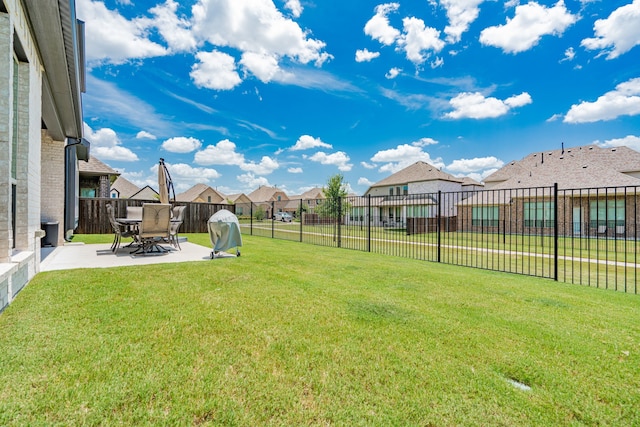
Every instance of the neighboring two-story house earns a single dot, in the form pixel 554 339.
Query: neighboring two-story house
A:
pixel 271 199
pixel 409 193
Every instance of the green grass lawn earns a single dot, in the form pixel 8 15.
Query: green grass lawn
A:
pixel 292 334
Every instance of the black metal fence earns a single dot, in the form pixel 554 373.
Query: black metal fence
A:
pixel 584 236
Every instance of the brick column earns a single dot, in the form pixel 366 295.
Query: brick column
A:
pixel 23 237
pixel 6 65
pixel 105 186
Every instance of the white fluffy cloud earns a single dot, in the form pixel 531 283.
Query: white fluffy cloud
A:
pixel 366 182
pixel 174 29
pixel 295 7
pixel 393 73
pixel 222 153
pixel 266 166
pixel 181 144
pixel 306 142
pixel 367 165
pixel 530 23
pixel 294 170
pixel 477 106
pixel 461 14
pixel 403 155
pixel 216 70
pixel 258 32
pixel 255 26
pixel 181 172
pixel 569 55
pixel 262 65
pixel 630 141
pixel 339 159
pixel 143 134
pixel 618 33
pixel 364 55
pixel 623 101
pixel 378 27
pixel 475 165
pixel 418 41
pixel 423 142
pixel 251 182
pixel 112 38
pixel 106 145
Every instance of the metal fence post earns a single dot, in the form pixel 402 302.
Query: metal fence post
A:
pixel 555 231
pixel 251 219
pixel 369 223
pixel 301 215
pixel 273 223
pixel 438 219
pixel 339 221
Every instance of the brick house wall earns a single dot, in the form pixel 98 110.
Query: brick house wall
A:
pixel 52 176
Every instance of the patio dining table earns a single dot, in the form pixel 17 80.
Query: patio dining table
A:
pixel 133 224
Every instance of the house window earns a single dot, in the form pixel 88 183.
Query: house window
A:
pixel 538 214
pixel 485 216
pixel 357 213
pixel 607 213
pixel 391 191
pixel 417 211
pixel 279 198
pixel 208 199
pixel 87 192
pixel 238 210
pixel 398 191
pixel 405 190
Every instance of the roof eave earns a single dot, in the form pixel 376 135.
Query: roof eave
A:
pixel 60 39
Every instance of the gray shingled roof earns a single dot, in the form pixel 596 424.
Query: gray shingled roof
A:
pixel 235 197
pixel 95 167
pixel 146 193
pixel 470 181
pixel 417 172
pixel 577 167
pixel 124 187
pixel 265 194
pixel 194 192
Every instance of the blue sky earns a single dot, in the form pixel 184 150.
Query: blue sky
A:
pixel 242 93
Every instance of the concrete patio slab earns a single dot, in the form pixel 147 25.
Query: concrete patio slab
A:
pixel 79 255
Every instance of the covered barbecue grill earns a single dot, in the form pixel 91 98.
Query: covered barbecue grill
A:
pixel 224 231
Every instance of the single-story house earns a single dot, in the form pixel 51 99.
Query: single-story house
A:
pixel 598 194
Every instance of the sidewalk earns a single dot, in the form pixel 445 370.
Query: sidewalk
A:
pixel 79 255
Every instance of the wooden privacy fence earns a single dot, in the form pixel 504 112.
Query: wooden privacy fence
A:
pixel 93 217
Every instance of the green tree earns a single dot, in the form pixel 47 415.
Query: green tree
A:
pixel 334 205
pixel 259 213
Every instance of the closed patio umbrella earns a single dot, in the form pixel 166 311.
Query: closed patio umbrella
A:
pixel 165 185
